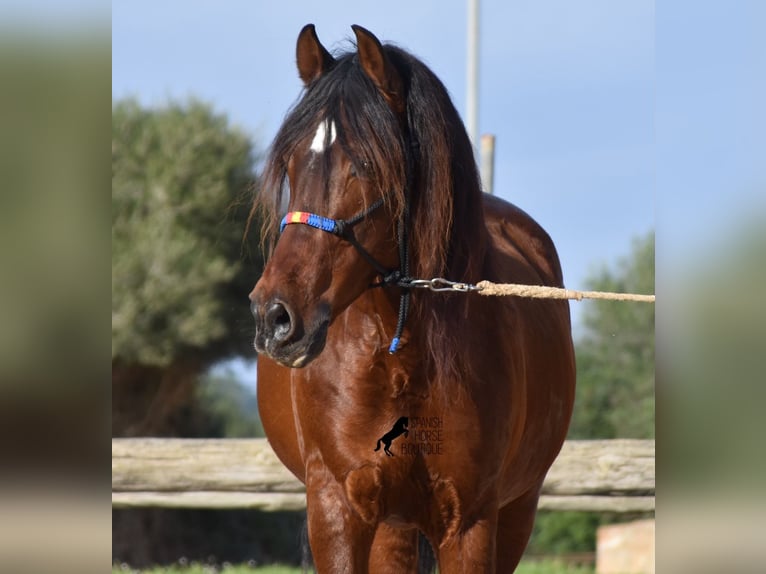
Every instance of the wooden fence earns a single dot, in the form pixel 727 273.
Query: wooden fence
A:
pixel 594 475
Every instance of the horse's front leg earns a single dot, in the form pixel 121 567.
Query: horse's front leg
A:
pixel 340 530
pixel 394 551
pixel 471 548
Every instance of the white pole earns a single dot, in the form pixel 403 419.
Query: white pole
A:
pixel 472 75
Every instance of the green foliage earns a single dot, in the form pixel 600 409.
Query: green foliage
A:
pixel 615 384
pixel 207 569
pixel 232 408
pixel 551 567
pixel 715 342
pixel 181 181
pixel 526 567
pixel 615 356
pixel 563 533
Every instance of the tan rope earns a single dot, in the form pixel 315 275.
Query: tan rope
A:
pixel 541 292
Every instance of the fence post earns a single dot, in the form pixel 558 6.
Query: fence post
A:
pixel 488 163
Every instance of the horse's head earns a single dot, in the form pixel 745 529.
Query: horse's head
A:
pixel 341 154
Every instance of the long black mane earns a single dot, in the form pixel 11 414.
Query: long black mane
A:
pixel 424 160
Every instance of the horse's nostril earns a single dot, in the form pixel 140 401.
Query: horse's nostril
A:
pixel 279 320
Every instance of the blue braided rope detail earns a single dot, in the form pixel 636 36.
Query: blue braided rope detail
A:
pixel 323 223
pixel 312 220
pixel 394 347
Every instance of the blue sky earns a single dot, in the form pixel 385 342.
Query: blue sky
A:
pixel 567 88
pixel 711 127
pixel 602 109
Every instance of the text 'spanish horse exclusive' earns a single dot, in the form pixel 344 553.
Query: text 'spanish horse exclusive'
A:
pixel 371 183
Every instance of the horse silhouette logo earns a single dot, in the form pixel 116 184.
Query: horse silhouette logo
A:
pixel 399 428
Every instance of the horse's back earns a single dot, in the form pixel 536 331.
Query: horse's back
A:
pixel 523 251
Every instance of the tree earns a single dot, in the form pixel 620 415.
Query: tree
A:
pixel 714 362
pixel 615 384
pixel 231 409
pixel 615 355
pixel 182 181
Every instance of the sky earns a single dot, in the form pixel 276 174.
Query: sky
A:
pixel 567 91
pixel 602 110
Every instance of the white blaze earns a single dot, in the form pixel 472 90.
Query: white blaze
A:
pixel 317 144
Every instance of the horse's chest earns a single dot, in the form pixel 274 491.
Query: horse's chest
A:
pixel 391 445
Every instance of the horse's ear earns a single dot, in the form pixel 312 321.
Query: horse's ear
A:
pixel 379 68
pixel 313 59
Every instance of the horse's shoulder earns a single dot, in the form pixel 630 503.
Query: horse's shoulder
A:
pixel 517 237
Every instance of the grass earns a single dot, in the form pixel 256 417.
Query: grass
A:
pixel 551 566
pixel 526 567
pixel 210 569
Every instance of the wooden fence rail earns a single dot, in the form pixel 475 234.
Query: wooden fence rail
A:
pixel 597 475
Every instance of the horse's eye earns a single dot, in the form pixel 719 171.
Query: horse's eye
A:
pixel 363 169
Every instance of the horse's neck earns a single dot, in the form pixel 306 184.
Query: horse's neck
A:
pixel 365 331
pixel 371 319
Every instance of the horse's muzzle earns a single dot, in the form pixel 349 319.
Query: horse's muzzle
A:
pixel 282 334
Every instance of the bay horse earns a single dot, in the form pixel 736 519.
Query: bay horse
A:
pixel 370 184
